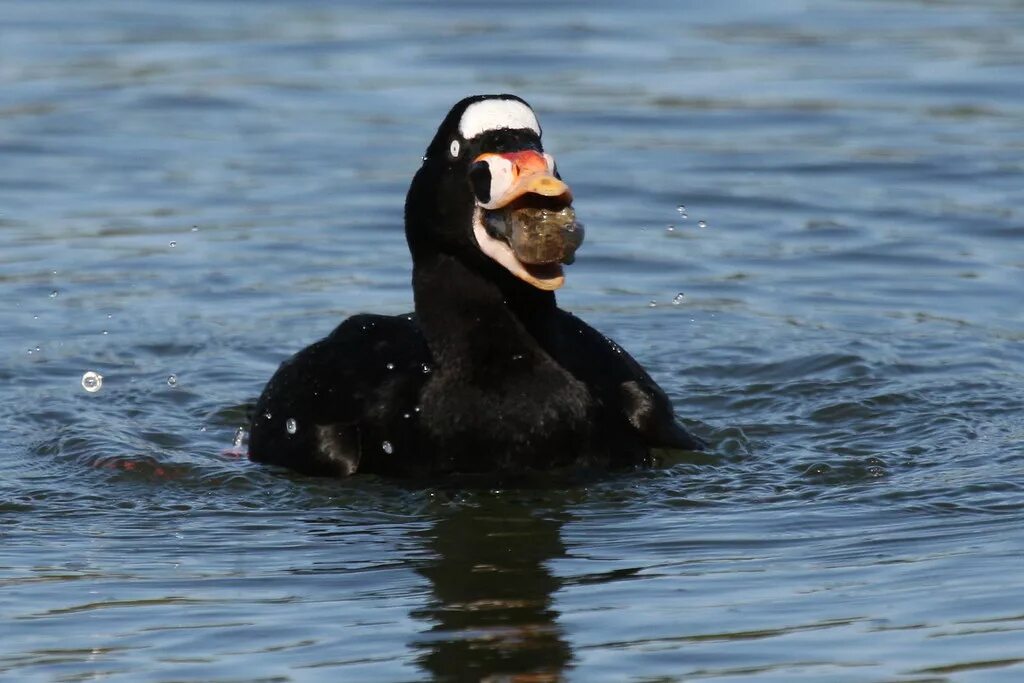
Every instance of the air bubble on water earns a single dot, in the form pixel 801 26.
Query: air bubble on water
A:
pixel 677 299
pixel 652 304
pixel 406 416
pixel 92 381
pixel 291 426
pixel 267 415
pixel 35 317
pixel 426 368
pixel 173 244
pixel 670 228
pixel 702 224
pixel 172 380
pixel 681 209
pixel 195 228
pixel 105 332
pixel 387 447
pixel 390 366
pixel 54 294
pixel 239 437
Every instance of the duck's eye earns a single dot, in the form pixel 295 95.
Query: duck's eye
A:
pixel 454 148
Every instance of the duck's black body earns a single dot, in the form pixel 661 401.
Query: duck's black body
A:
pixel 488 376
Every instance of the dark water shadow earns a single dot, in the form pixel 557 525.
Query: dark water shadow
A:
pixel 492 593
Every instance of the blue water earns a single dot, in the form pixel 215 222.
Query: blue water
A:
pixel 199 189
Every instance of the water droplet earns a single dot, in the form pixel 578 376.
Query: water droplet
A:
pixel 416 409
pixel 267 415
pixel 670 228
pixel 172 380
pixel 406 416
pixel 652 304
pixel 239 437
pixel 54 294
pixel 517 356
pixel 426 369
pixel 677 299
pixel 38 349
pixel 291 426
pixel 195 228
pixel 681 209
pixel 702 224
pixel 390 366
pixel 173 244
pixel 387 447
pixel 92 381
pixel 105 332
pixel 35 317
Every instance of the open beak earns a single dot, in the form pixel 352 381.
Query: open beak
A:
pixel 504 179
pixel 516 174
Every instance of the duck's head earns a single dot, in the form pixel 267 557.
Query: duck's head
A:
pixel 488 193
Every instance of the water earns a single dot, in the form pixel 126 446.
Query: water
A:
pixel 851 341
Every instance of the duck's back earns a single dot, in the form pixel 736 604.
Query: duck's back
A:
pixel 637 415
pixel 347 402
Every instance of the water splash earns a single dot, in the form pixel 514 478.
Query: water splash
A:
pixel 92 381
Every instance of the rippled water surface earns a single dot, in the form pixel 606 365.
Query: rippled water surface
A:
pixel 190 192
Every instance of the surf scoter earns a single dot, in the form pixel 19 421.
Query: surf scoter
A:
pixel 488 375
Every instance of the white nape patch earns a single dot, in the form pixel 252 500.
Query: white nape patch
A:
pixel 486 115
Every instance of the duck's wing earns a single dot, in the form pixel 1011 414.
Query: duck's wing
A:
pixel 621 384
pixel 324 403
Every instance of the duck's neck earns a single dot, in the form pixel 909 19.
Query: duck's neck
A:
pixel 477 323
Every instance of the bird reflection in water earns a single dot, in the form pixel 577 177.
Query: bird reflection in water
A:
pixel 492 595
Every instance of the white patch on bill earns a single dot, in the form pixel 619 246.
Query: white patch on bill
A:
pixel 486 115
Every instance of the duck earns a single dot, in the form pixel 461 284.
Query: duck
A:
pixel 487 376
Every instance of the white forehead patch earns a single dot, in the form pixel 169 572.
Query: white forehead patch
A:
pixel 486 115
